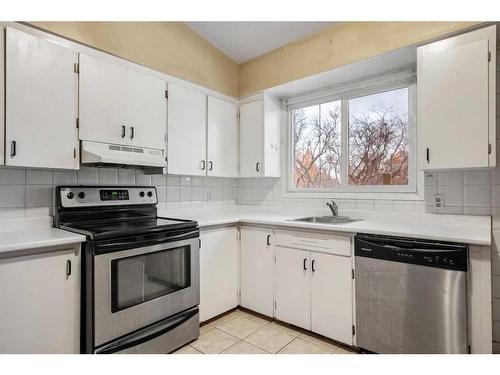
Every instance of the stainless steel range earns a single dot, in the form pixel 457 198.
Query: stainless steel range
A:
pixel 140 272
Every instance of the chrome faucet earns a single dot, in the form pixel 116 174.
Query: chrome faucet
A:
pixel 333 207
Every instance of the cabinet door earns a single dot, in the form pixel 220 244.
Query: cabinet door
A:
pixel 39 312
pixel 187 110
pixel 41 103
pixel 146 111
pixel 331 296
pixel 454 107
pixel 251 137
pixel 293 287
pixel 257 270
pixel 222 142
pixel 271 147
pixel 218 272
pixel 103 101
pixel 2 97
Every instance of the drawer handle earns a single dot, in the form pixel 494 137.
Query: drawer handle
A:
pixel 304 264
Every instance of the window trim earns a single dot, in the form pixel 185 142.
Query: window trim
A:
pixel 412 191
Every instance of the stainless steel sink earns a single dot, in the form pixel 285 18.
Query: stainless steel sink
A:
pixel 326 219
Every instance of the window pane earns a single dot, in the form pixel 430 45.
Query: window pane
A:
pixel 378 139
pixel 316 139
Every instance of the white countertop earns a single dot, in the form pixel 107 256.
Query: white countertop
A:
pixel 474 230
pixel 21 236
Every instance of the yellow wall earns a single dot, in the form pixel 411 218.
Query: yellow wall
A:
pixel 169 47
pixel 173 48
pixel 341 44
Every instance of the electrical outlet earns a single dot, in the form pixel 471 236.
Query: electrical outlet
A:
pixel 438 202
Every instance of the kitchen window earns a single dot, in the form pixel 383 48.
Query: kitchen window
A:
pixel 359 141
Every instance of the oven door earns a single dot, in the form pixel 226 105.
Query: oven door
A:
pixel 140 286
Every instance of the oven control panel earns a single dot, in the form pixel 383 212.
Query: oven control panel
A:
pixel 82 196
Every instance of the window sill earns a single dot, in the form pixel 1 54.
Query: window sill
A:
pixel 406 196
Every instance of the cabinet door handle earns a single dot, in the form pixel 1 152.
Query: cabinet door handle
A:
pixel 427 154
pixel 132 132
pixel 268 240
pixel 210 165
pixel 68 267
pixel 124 129
pixel 312 266
pixel 203 165
pixel 304 264
pixel 12 149
pixel 257 167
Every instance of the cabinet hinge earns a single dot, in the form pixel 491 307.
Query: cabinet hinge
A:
pixel 353 330
pixel 489 148
pixel 77 123
pixel 489 55
pixel 352 273
pixel 76 68
pixel 166 94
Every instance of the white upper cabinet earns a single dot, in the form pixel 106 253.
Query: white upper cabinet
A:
pixel 456 101
pixel 103 101
pixel 146 110
pixel 186 146
pixel 121 106
pixel 259 137
pixel 41 103
pixel 222 142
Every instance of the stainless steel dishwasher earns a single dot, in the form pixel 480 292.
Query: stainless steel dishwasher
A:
pixel 411 295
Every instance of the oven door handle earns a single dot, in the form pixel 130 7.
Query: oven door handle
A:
pixel 116 246
pixel 149 333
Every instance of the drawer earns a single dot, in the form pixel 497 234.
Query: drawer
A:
pixel 325 243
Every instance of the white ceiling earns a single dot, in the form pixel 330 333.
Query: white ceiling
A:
pixel 243 41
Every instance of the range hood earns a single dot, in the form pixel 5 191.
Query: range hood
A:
pixel 102 154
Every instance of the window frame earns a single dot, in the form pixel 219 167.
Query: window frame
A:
pixel 344 93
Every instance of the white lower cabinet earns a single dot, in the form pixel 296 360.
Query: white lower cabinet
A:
pixel 293 287
pixel 257 269
pixel 331 296
pixel 39 303
pixel 218 271
pixel 314 289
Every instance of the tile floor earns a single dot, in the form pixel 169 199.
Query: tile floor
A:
pixel 240 332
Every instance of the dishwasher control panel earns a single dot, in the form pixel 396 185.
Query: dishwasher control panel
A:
pixel 429 253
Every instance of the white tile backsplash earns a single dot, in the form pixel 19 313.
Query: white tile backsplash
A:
pixel 65 178
pixel 12 176
pixel 88 176
pixel 451 178
pixel 39 177
pixel 31 192
pixel 107 176
pixel 12 196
